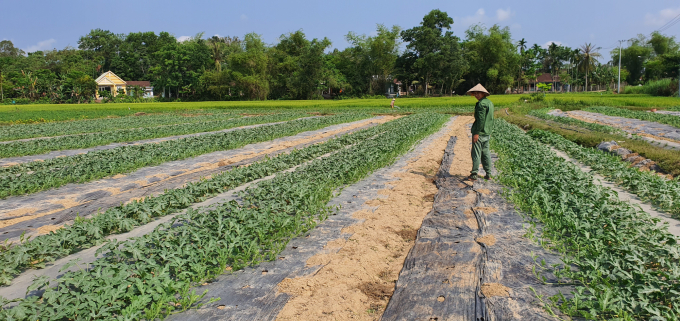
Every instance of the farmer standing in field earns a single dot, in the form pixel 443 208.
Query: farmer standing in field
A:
pixel 481 131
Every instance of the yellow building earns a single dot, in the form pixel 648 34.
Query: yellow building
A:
pixel 108 81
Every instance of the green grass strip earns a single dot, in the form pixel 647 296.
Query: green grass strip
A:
pixel 22 131
pixel 37 176
pixel 147 277
pixel 623 265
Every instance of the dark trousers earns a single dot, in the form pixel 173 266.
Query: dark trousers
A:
pixel 481 153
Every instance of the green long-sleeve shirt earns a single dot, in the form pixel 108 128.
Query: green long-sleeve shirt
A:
pixel 483 118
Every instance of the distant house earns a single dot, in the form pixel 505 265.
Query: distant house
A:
pixel 546 78
pixel 110 82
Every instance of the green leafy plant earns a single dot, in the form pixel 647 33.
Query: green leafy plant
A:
pixel 36 176
pixel 660 191
pixel 78 141
pixel 622 264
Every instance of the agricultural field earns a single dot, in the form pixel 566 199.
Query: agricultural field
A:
pixel 338 210
pixel 20 114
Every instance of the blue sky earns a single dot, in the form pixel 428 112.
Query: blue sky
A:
pixel 39 25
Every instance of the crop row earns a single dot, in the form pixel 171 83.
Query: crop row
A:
pixel 39 146
pixel 21 131
pixel 40 175
pixel 85 233
pixel 641 115
pixel 151 276
pixel 648 186
pixel 623 265
pixel 543 114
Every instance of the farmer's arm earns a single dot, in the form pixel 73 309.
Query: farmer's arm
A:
pixel 480 120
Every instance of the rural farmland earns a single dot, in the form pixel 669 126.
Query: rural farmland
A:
pixel 249 211
pixel 335 161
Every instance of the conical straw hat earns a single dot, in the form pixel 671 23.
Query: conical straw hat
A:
pixel 479 88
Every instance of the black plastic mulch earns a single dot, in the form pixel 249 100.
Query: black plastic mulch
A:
pixel 472 243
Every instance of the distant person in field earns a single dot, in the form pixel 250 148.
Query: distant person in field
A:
pixel 481 132
pixel 392 103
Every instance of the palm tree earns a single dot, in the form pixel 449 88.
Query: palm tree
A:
pixel 522 44
pixel 553 61
pixel 589 56
pixel 216 44
pixel 574 58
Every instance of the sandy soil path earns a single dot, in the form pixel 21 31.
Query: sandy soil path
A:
pixel 357 281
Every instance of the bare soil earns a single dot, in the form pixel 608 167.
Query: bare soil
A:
pixel 495 289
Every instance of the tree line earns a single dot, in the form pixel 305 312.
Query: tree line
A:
pixel 427 59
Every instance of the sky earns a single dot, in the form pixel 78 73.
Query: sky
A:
pixel 41 25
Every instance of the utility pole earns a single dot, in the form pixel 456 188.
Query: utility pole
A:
pixel 618 89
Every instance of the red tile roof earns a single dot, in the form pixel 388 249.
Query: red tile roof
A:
pixel 545 77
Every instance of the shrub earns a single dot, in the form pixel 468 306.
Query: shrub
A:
pixel 663 87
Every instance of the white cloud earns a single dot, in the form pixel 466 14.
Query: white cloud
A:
pixel 661 18
pixel 244 17
pixel 478 17
pixel 183 38
pixel 547 44
pixel 503 15
pixel 42 45
pixel 481 17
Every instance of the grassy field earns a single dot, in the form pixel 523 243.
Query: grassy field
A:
pixel 42 113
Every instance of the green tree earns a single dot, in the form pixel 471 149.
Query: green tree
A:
pixel 588 61
pixel 492 56
pixel 298 66
pixel 104 46
pixel 373 58
pixel 663 44
pixel 5 65
pixel 7 49
pixel 436 51
pixel 180 66
pixel 135 56
pixel 249 67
